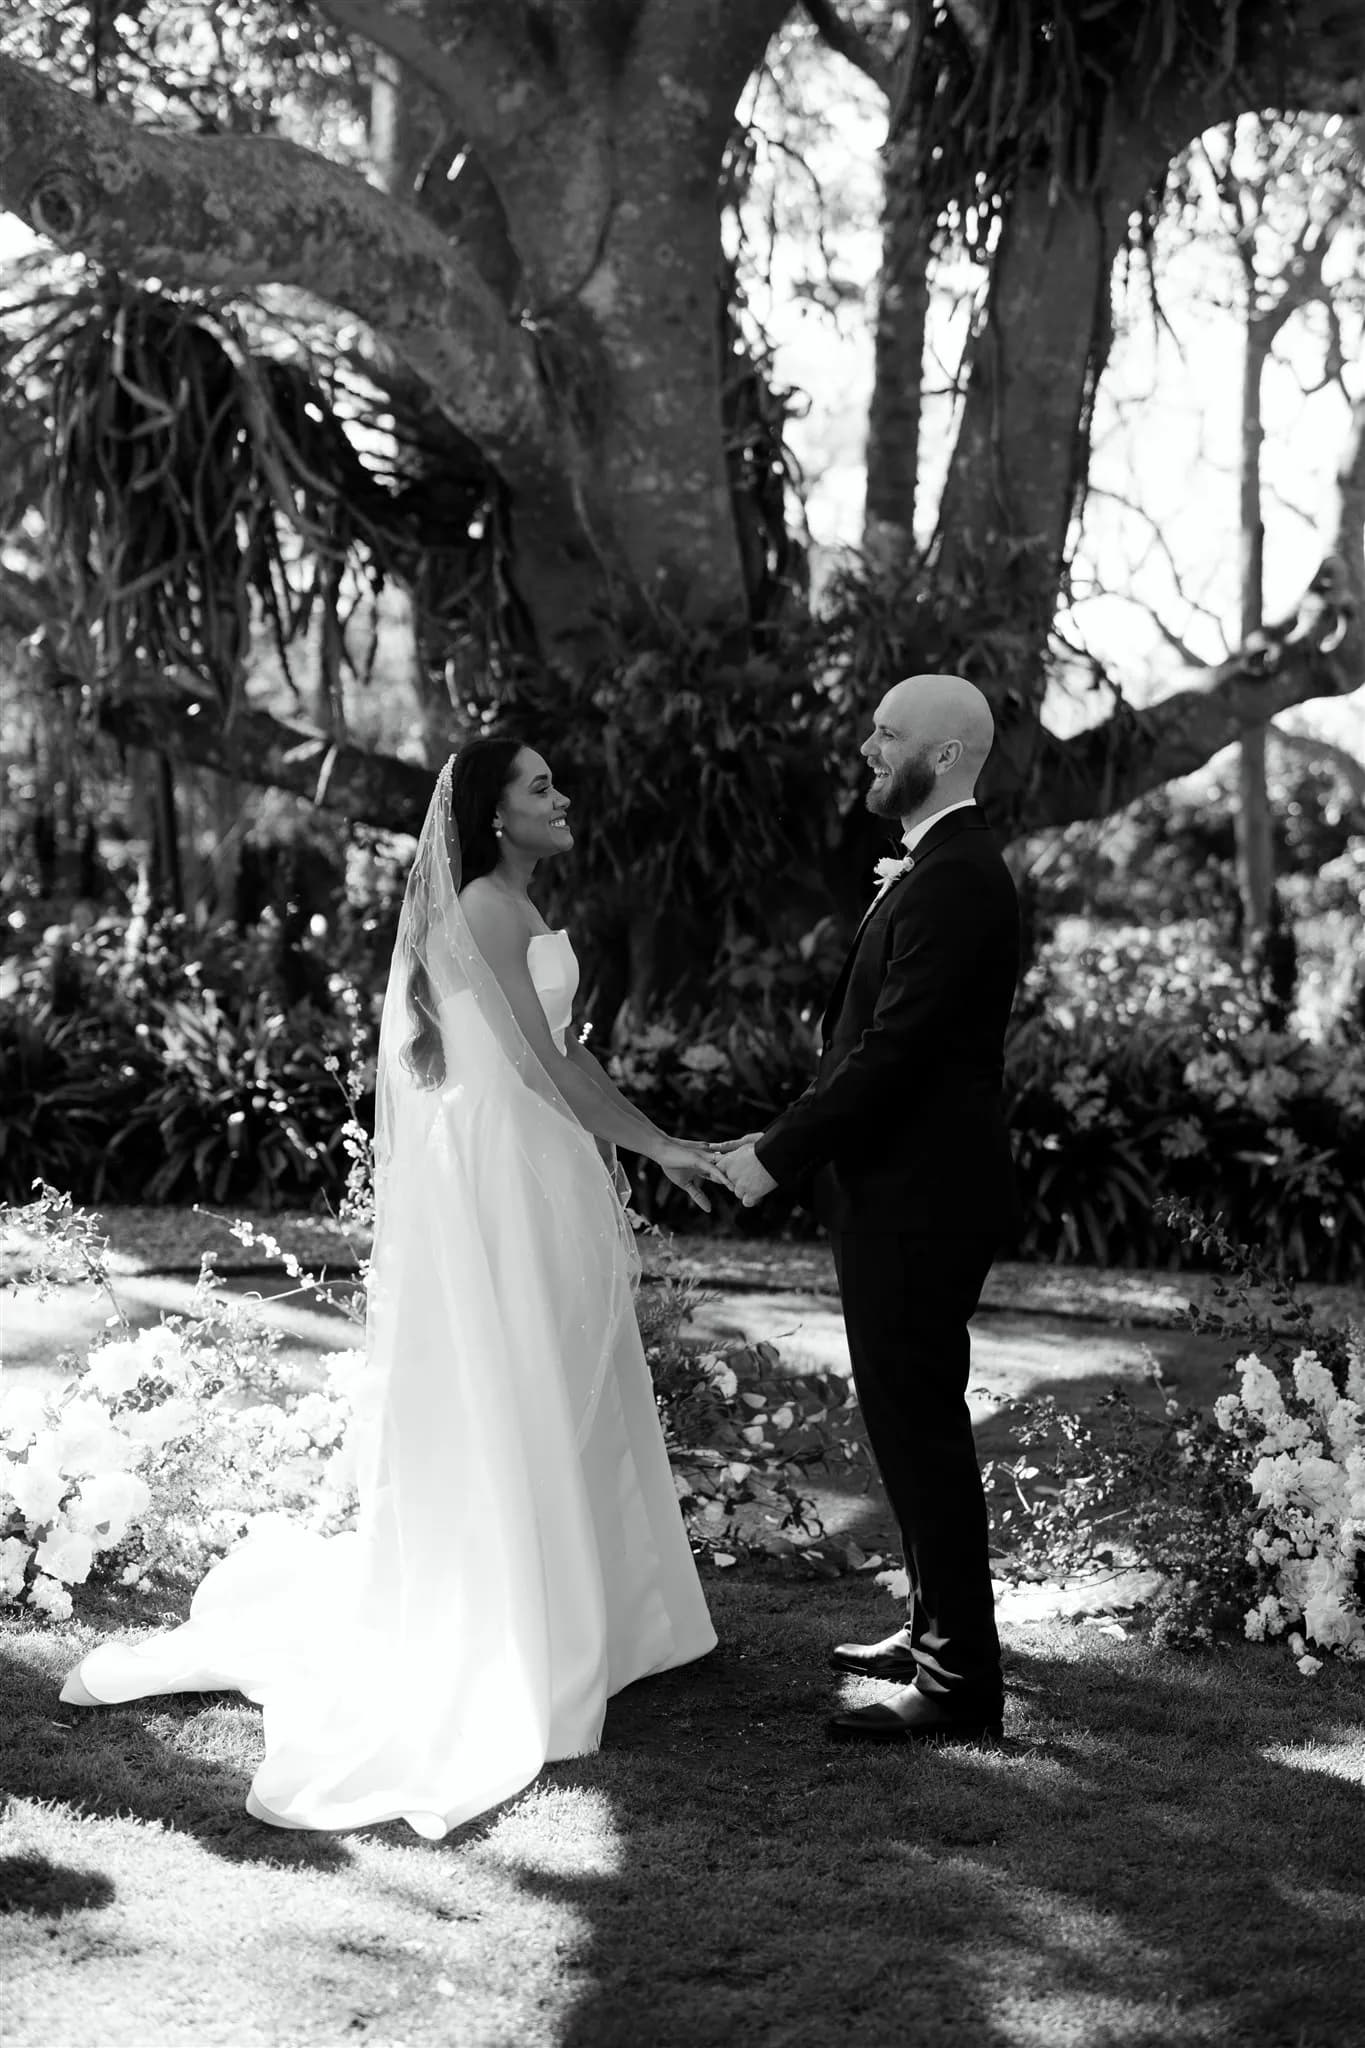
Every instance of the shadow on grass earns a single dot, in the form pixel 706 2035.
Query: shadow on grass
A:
pixel 1163 1850
pixel 112 1762
pixel 851 1499
pixel 34 1884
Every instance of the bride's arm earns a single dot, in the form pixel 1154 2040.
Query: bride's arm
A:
pixel 589 1065
pixel 500 936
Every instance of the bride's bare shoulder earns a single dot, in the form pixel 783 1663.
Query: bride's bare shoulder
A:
pixel 483 889
pixel 493 917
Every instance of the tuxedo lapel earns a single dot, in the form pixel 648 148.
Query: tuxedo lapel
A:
pixel 836 994
pixel 942 829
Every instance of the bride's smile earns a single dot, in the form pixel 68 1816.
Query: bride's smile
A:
pixel 532 816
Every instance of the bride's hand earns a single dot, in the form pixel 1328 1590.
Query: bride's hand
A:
pixel 687 1166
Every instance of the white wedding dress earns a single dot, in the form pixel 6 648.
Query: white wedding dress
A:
pixel 520 1554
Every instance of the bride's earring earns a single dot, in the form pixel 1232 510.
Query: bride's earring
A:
pixel 497 831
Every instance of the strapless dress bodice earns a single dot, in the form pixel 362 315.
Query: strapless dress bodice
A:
pixel 554 970
pixel 474 1055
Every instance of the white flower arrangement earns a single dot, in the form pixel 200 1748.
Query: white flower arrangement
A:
pixel 151 1461
pixel 1308 1480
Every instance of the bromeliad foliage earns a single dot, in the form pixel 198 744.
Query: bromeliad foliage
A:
pixel 197 485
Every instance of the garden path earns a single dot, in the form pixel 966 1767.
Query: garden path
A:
pixel 1031 1338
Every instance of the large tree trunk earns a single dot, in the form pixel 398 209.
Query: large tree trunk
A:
pixel 560 308
pixel 1019 461
pixel 602 159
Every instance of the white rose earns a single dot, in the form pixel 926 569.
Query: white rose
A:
pixel 25 1417
pixel 1344 1428
pixel 1355 1375
pixel 14 1557
pixel 36 1486
pixel 67 1555
pixel 1329 1615
pixel 318 1417
pixel 105 1506
pixel 1314 1383
pixel 154 1427
pixel 1226 1410
pixel 1260 1389
pixel 85 1440
pixel 51 1599
pixel 1319 1481
pixel 163 1352
pixel 115 1369
pixel 343 1369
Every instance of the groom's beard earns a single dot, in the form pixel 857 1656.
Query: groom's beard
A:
pixel 905 791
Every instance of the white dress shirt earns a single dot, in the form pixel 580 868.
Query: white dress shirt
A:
pixel 913 837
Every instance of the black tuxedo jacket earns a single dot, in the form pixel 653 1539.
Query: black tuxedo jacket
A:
pixel 904 1126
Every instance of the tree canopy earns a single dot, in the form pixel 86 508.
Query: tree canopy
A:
pixel 498 222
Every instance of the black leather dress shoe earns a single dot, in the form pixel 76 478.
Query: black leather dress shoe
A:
pixel 890 1658
pixel 915 1716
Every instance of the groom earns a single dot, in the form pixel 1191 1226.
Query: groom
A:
pixel 904 1129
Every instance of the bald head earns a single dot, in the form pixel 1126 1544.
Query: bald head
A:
pixel 929 744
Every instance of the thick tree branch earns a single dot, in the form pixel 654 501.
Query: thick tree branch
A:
pixel 1319 651
pixel 848 41
pixel 475 65
pixel 230 212
pixel 533 129
pixel 365 788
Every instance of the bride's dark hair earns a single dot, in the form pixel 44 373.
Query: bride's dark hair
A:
pixel 481 772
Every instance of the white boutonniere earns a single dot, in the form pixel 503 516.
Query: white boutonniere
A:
pixel 889 870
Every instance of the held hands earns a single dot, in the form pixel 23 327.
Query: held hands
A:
pixel 733 1165
pixel 743 1171
pixel 688 1166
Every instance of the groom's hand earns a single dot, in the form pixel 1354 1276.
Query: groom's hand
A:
pixel 746 1172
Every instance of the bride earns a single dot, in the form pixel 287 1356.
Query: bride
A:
pixel 519 1553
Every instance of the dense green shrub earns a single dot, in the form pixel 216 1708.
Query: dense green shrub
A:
pixel 1134 1071
pixel 171 1065
pixel 156 1062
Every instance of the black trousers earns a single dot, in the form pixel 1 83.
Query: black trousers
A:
pixel 907 1301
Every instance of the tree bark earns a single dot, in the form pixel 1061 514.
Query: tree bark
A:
pixel 1019 461
pixel 604 144
pixel 1253 824
pixel 894 415
pixel 231 212
pixel 587 369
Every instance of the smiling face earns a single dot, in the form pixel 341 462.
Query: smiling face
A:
pixel 532 813
pixel 902 763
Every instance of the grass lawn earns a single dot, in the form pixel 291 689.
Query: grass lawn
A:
pixel 1165 1850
